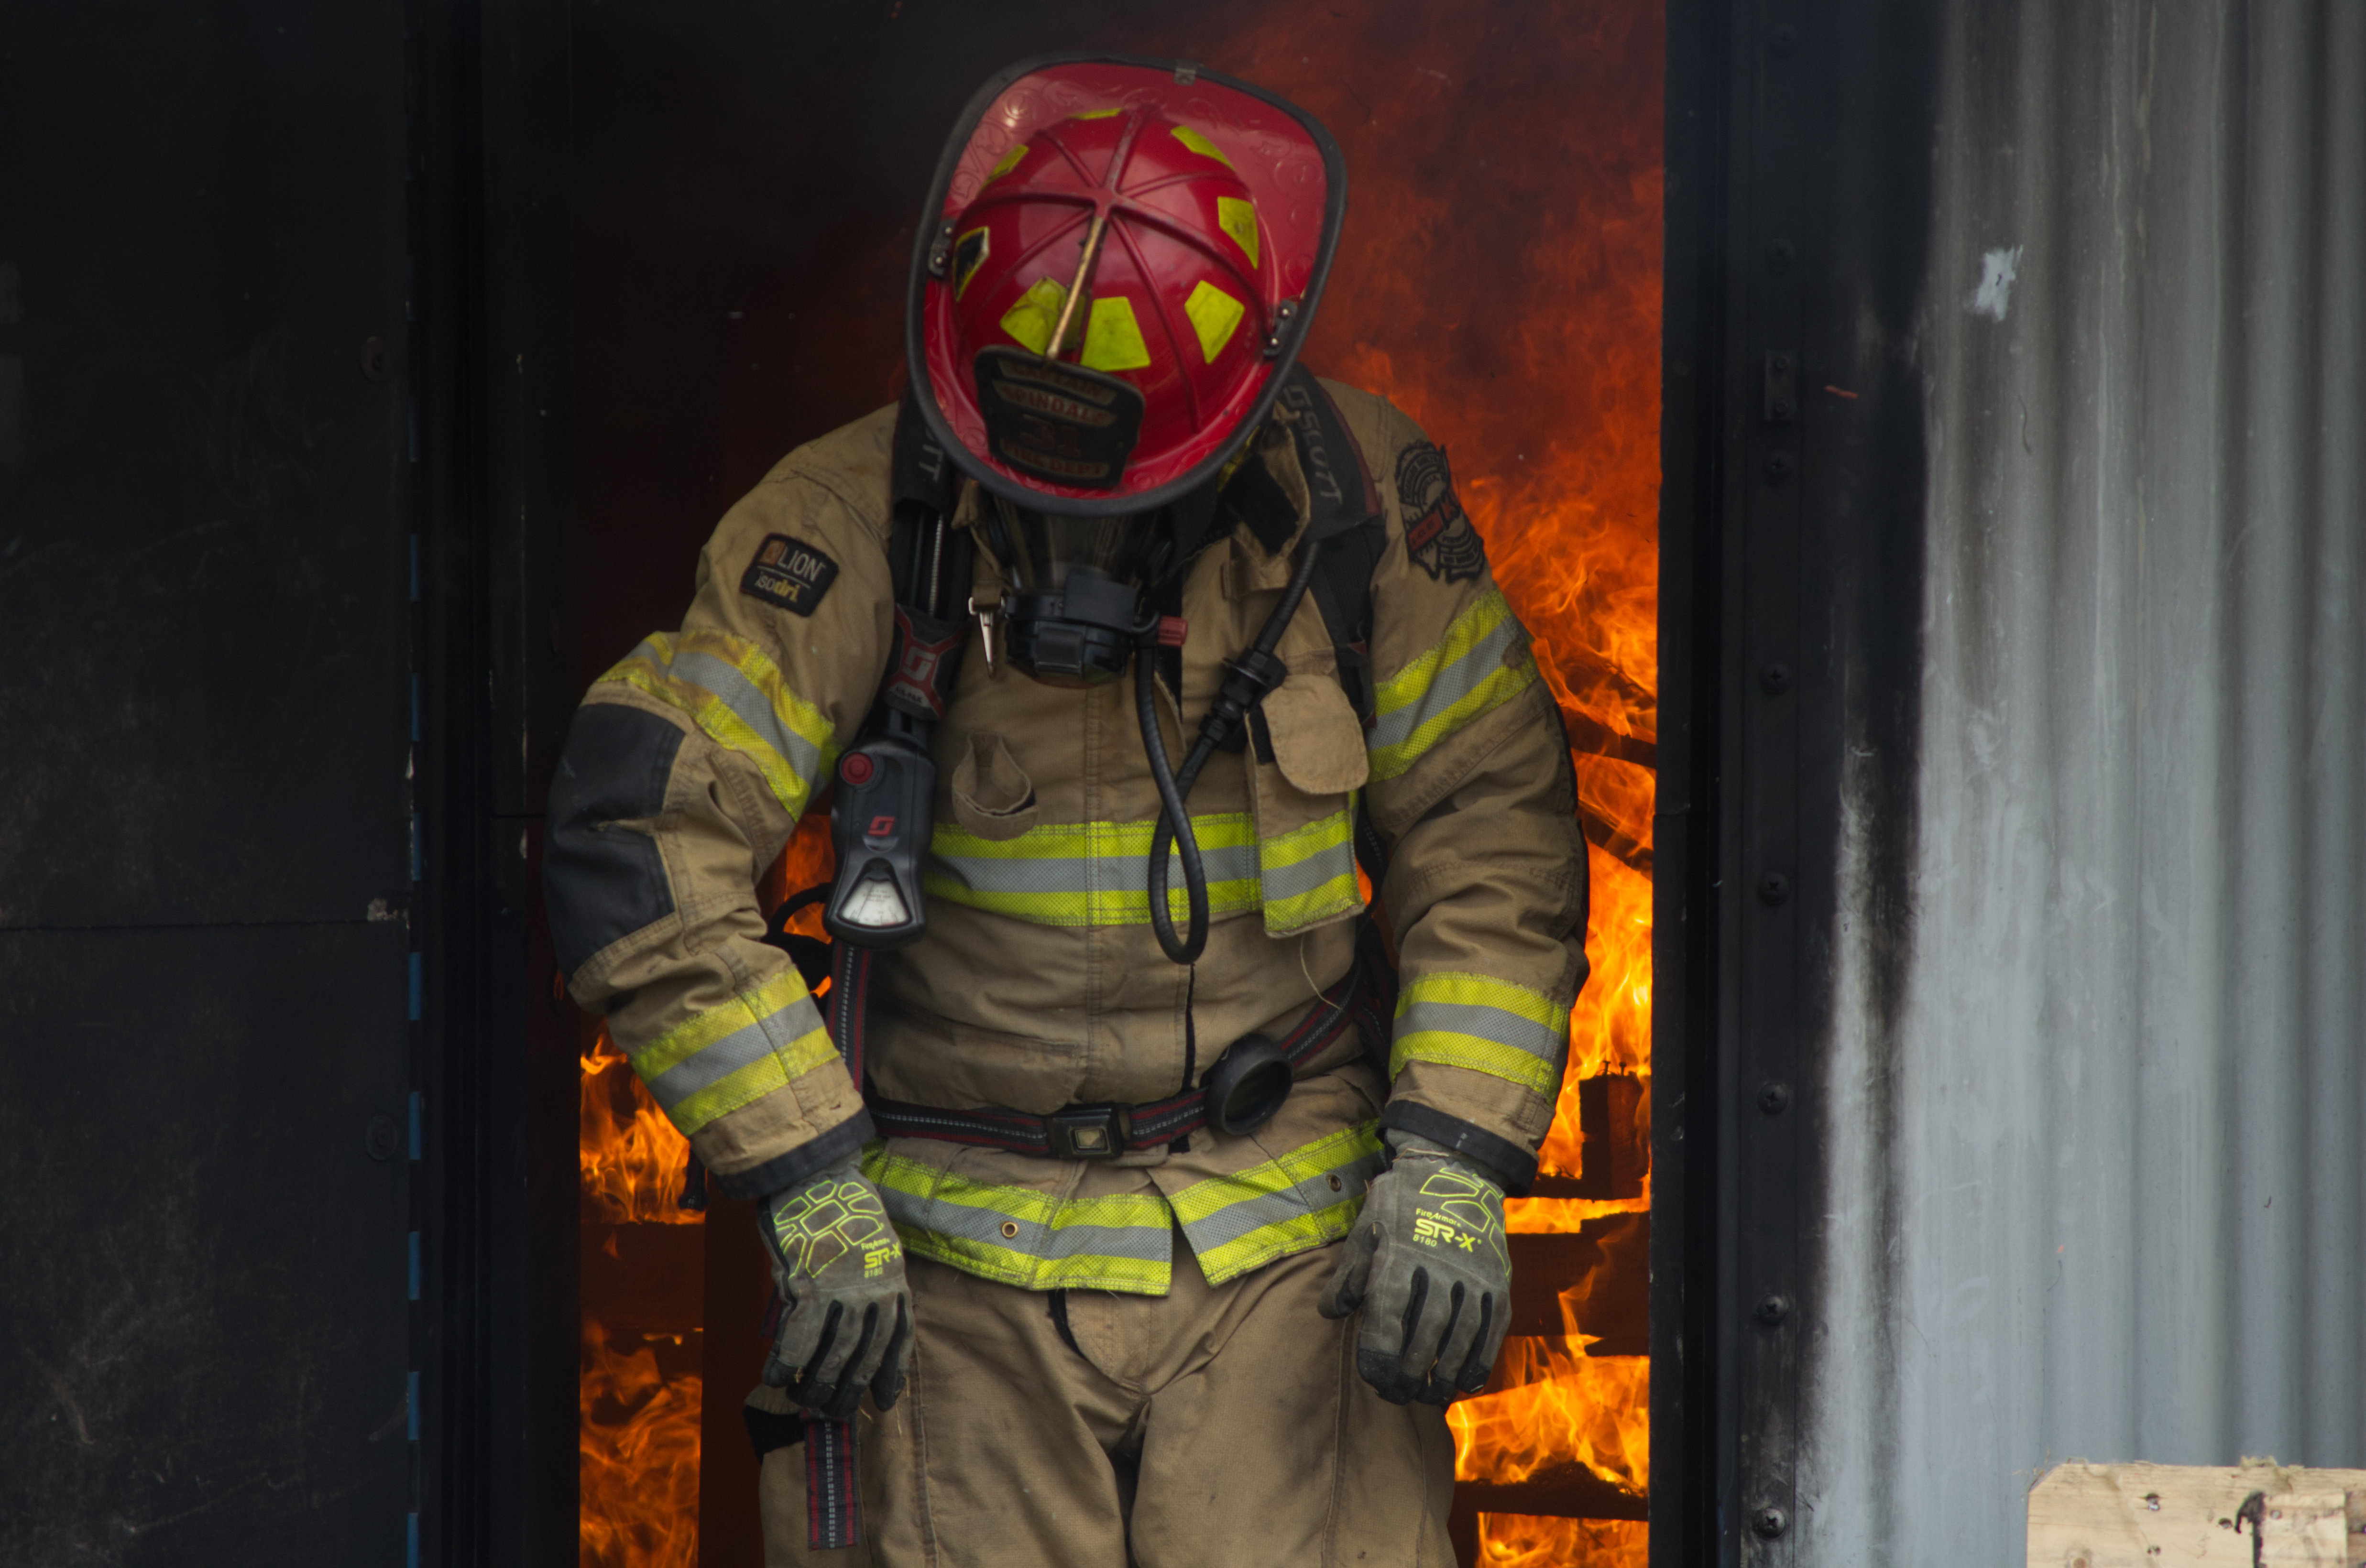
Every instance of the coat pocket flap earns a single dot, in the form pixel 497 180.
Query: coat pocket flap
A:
pixel 992 797
pixel 1317 742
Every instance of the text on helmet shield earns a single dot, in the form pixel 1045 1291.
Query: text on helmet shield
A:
pixel 1069 425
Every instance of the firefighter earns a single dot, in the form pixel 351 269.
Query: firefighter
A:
pixel 1140 1200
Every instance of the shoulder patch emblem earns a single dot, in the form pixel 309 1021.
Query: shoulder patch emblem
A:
pixel 789 573
pixel 1437 532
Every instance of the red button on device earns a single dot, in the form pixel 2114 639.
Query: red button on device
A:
pixel 855 768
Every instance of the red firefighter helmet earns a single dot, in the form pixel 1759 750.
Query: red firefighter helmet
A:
pixel 1118 262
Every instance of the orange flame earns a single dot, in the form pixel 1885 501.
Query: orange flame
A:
pixel 1499 1437
pixel 1566 1409
pixel 634 1161
pixel 1514 1540
pixel 638 1429
pixel 637 1463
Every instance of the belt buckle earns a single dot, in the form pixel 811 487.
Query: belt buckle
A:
pixel 1086 1132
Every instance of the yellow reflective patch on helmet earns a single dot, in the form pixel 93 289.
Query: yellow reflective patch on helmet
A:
pixel 1038 311
pixel 1237 216
pixel 969 254
pixel 1202 145
pixel 1113 339
pixel 1097 114
pixel 1010 161
pixel 1214 315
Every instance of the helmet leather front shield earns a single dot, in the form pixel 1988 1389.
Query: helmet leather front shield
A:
pixel 1199 215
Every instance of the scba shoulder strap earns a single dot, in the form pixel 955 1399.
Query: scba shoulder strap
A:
pixel 882 814
pixel 929 564
pixel 1346 522
pixel 1344 529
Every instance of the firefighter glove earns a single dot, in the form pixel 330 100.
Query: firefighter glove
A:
pixel 1427 1264
pixel 846 1315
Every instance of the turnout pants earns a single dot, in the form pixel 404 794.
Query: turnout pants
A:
pixel 1211 1428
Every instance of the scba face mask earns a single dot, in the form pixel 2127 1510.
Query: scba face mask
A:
pixel 1073 612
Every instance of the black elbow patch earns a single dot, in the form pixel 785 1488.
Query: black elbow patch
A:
pixel 603 884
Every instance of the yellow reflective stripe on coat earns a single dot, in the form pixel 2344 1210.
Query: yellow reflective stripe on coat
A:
pixel 1305 1199
pixel 1308 874
pixel 1464 677
pixel 1023 1235
pixel 1487 1024
pixel 738 1052
pixel 1089 873
pixel 736 694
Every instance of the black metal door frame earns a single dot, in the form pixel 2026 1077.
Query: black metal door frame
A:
pixel 1793 456
pixel 488 372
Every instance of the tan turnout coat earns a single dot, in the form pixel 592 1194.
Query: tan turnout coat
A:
pixel 1040 983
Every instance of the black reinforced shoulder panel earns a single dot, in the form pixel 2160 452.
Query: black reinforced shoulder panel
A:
pixel 603 884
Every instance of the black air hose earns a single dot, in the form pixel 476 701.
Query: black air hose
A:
pixel 1252 675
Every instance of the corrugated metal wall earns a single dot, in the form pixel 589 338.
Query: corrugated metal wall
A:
pixel 2100 1189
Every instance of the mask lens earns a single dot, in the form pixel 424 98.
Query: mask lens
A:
pixel 1049 548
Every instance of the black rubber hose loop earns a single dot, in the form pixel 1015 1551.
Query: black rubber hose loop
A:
pixel 1170 798
pixel 1175 788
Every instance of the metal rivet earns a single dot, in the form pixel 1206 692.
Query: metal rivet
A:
pixel 1785 42
pixel 1770 1522
pixel 1285 316
pixel 1785 408
pixel 1772 1308
pixel 381 1140
pixel 1778 467
pixel 1773 887
pixel 1780 255
pixel 1335 1182
pixel 1775 677
pixel 1010 1228
pixel 1775 1098
pixel 377 360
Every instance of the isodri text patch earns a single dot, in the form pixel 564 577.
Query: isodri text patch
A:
pixel 789 573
